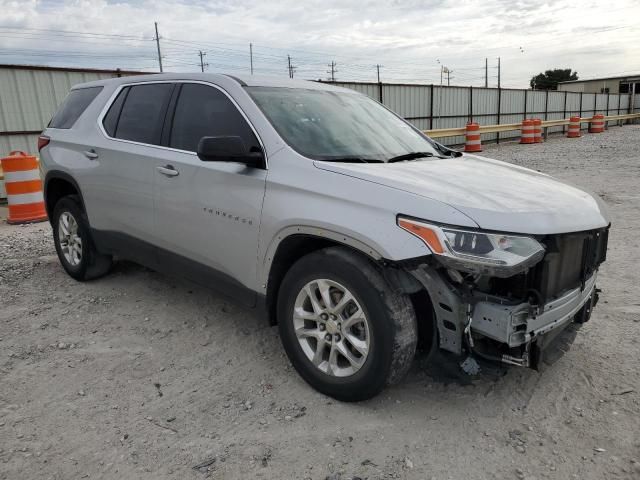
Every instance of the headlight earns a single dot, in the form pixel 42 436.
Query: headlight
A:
pixel 494 254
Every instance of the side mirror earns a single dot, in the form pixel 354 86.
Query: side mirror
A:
pixel 228 149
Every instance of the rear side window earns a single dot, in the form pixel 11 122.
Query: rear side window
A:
pixel 73 106
pixel 142 114
pixel 203 111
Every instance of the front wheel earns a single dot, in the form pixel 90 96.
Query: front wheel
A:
pixel 344 329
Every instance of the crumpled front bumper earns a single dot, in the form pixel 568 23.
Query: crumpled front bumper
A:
pixel 519 327
pixel 516 325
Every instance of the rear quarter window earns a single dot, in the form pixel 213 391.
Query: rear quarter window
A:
pixel 110 121
pixel 73 106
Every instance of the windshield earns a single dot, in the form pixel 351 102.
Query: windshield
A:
pixel 338 126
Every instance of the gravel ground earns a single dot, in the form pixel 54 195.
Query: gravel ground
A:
pixel 138 375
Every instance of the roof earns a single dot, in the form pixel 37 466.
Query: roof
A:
pixel 219 78
pixel 623 77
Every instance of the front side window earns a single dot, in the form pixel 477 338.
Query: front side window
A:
pixel 73 106
pixel 142 114
pixel 327 125
pixel 203 111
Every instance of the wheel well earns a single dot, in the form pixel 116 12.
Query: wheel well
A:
pixel 56 188
pixel 289 251
pixel 425 316
pixel 294 247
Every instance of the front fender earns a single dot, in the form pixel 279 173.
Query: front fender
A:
pixel 371 250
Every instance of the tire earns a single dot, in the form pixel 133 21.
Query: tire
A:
pixel 85 262
pixel 389 330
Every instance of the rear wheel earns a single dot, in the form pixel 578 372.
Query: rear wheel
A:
pixel 72 239
pixel 344 329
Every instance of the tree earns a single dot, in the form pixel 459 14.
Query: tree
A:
pixel 549 79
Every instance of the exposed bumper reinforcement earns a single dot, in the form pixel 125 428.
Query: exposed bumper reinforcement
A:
pixel 516 325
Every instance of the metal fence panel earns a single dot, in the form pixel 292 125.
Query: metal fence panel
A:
pixel 408 101
pixel 601 102
pixel 370 89
pixel 588 105
pixel 536 103
pixel 625 101
pixel 512 102
pixel 485 101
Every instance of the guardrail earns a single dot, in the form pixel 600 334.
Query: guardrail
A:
pixel 506 127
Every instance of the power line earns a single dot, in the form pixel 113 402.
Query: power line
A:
pixel 310 62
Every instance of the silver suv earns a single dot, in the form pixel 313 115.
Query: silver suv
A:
pixel 348 227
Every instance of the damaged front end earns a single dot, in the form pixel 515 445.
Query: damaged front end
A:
pixel 506 297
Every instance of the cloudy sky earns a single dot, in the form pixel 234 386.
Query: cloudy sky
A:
pixel 410 39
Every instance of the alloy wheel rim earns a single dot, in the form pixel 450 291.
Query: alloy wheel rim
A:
pixel 69 239
pixel 331 327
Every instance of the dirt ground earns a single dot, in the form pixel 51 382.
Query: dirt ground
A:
pixel 141 376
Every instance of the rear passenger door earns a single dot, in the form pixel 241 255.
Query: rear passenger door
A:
pixel 208 213
pixel 121 190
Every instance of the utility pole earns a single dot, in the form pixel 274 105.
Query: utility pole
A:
pixel 498 72
pixel 446 70
pixel 486 72
pixel 442 70
pixel 378 68
pixel 292 68
pixel 251 56
pixel 202 64
pixel 333 71
pixel 158 45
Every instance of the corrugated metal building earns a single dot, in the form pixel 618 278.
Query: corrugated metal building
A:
pixel 29 95
pixel 625 84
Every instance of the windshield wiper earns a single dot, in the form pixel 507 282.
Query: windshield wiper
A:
pixel 410 156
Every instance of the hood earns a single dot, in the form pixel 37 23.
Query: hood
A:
pixel 496 195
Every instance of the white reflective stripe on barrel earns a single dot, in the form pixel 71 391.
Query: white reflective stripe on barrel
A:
pixel 21 176
pixel 25 198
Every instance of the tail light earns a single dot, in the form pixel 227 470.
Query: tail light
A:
pixel 43 141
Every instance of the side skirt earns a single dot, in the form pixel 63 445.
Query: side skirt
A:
pixel 161 260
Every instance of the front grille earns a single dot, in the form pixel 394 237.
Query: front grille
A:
pixel 569 261
pixel 571 258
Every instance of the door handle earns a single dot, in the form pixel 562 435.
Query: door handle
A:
pixel 90 154
pixel 168 170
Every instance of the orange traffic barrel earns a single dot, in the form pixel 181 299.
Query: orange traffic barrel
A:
pixel 526 131
pixel 472 141
pixel 24 188
pixel 3 192
pixel 537 130
pixel 574 127
pixel 597 123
